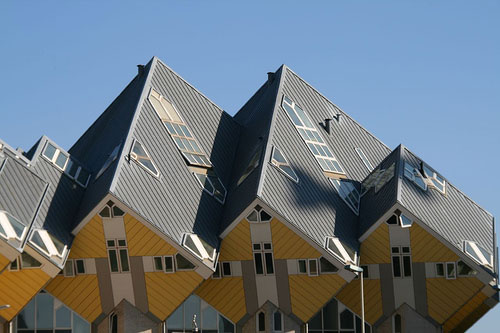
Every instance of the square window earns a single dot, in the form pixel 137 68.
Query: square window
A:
pixel 256 247
pixel 169 264
pixel 158 263
pixel 267 246
pixel 302 266
pixel 395 250
pixel 313 267
pixel 226 269
pixel 111 243
pixel 450 270
pixel 122 242
pixel 440 269
pixel 80 266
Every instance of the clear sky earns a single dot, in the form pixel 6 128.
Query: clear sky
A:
pixel 422 73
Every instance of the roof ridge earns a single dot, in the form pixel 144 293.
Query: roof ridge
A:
pixel 337 107
pixel 451 184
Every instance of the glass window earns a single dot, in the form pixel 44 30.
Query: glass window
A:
pixel 342 251
pixel 439 270
pixel 281 163
pixel 169 264
pixel 302 266
pixel 141 156
pixel 405 221
pixel 26 318
pixel 80 266
pixel 63 317
pixel 252 165
pixel 464 269
pixel 217 272
pixel 326 266
pixel 277 321
pixel 61 160
pixel 258 214
pixel 261 321
pixel 478 253
pixel 50 151
pixel 28 261
pixel 385 177
pixel 183 263
pixel 226 268
pixel 259 267
pixel 396 266
pixel 313 267
pixel 263 258
pixel 209 322
pixel 435 180
pixel 346 319
pixel 365 160
pixel 450 270
pixel 397 324
pixel 158 263
pixel 348 193
pixel 191 308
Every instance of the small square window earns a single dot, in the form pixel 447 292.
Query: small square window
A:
pixel 158 264
pixel 256 247
pixel 313 267
pixel 405 249
pixel 302 266
pixel 122 242
pixel 226 269
pixel 169 264
pixel 395 250
pixel 111 243
pixel 80 266
pixel 440 269
pixel 268 246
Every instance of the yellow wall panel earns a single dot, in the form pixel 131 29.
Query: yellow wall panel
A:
pixel 287 244
pixel 237 245
pixel 375 248
pixel 18 288
pixel 167 291
pixel 226 295
pixel 80 293
pixel 309 294
pixel 3 262
pixel 89 242
pixel 445 297
pixel 427 248
pixel 465 311
pixel 142 241
pixel 350 295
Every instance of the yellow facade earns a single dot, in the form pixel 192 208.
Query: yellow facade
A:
pixel 226 295
pixel 427 248
pixel 18 288
pixel 350 296
pixel 167 291
pixel 89 242
pixel 288 245
pixel 309 294
pixel 80 293
pixel 237 245
pixel 473 304
pixel 4 262
pixel 375 249
pixel 142 241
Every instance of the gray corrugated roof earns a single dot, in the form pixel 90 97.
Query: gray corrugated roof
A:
pixel 454 216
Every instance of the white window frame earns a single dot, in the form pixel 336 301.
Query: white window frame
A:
pixel 449 277
pixel 132 154
pixel 411 173
pixel 277 165
pixel 56 155
pixel 7 227
pixel 365 159
pixel 76 266
pixel 199 246
pixel 49 244
pixel 262 253
pixel 400 255
pixel 165 264
pixel 433 179
pixel 345 256
pixel 162 269
pixel 117 248
pixel 436 269
pixel 259 219
pixel 482 259
pixel 401 218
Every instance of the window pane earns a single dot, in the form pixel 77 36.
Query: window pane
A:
pixel 346 319
pixel 265 217
pixel 315 322
pixel 330 318
pixel 26 318
pixel 191 308
pixel 113 260
pixel 313 267
pixel 226 268
pixel 407 266
pixel 183 263
pixel 259 268
pixel 292 115
pixel 29 262
pixel 122 242
pixel 105 212
pixel 80 325
pixel 397 324
pixel 124 260
pixel 49 151
pixel 450 270
pixel 262 322
pixel 277 322
pixel 439 269
pixel 37 239
pixel 175 322
pixel 158 262
pixel 63 317
pixel 83 176
pixel 61 160
pixel 302 266
pixel 209 319
pixel 396 266
pixel 269 263
pixel 225 326
pixel 169 264
pixel 326 266
pixel 80 266
pixel 118 212
pixel 189 243
pixel 252 217
pixel 44 311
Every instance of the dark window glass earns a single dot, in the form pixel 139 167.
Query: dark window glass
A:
pixel 330 318
pixel 464 269
pixel 326 266
pixel 407 265
pixel 395 250
pixel 262 322
pixel 225 326
pixel 169 264
pixel 83 176
pixel 397 324
pixel 117 211
pixel 406 249
pixel 216 274
pixel 259 268
pixel 450 270
pixel 396 266
pixel 358 324
pixel 124 260
pixel 366 274
pixel 439 269
pixel 122 242
pixel 105 212
pixel 269 263
pixel 315 322
pixel 113 325
pixel 28 261
pixel 14 265
pixel 302 266
pixel 264 217
pixel 226 269
pixel 158 263
pixel 267 246
pixel 61 160
pixel 252 216
pixel 111 243
pixel 277 322
pixel 80 267
pixel 313 267
pixel 113 260
pixel 183 263
pixel 393 220
pixel 256 247
pixel 346 319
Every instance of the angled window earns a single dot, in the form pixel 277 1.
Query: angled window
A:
pixel 252 165
pixel 341 251
pixel 64 162
pixel 415 176
pixel 111 210
pixel 348 193
pixel 182 136
pixel 118 255
pixel 311 137
pixel 211 184
pixel 326 266
pixel 199 247
pixel 464 270
pixel 281 163
pixel 10 227
pixel 14 265
pixel 111 158
pixel 258 215
pixel 434 179
pixel 478 253
pixel 182 264
pixel 28 261
pixel 385 177
pixel 48 244
pixel 405 221
pixel 141 156
pixel 365 160
pixel 371 180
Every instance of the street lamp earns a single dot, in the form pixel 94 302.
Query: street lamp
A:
pixel 359 270
pixel 6 306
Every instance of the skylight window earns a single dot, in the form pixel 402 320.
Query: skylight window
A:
pixel 434 179
pixel 178 130
pixel 348 193
pixel 280 162
pixel 259 215
pixel 69 165
pixel 141 156
pixel 111 158
pixel 415 176
pixel 10 227
pixel 211 184
pixel 252 165
pixel 385 177
pixel 370 181
pixel 311 137
pixel 200 248
pixel 365 160
pixel 48 244
pixel 343 252
pixel 478 253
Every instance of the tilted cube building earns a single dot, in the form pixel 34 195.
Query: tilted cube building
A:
pixel 170 215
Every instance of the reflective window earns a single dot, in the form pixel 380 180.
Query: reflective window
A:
pixel 10 227
pixel 414 175
pixel 141 156
pixel 281 163
pixel 263 258
pixel 434 179
pixel 336 317
pixel 365 160
pixel 311 137
pixel 211 184
pixel 348 193
pixel 439 269
pixel 252 165
pixel 340 250
pixel 196 313
pixel 478 253
pixel 199 247
pixel 48 244
pixel 258 214
pixel 64 162
pixel 465 270
pixel 46 314
pixel 385 177
pixel 326 266
pixel 371 180
pixel 111 158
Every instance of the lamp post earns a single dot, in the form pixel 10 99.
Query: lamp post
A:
pixel 359 270
pixel 6 306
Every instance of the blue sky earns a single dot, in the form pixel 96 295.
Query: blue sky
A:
pixel 425 74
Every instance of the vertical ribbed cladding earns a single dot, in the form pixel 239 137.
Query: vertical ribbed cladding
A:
pixel 175 202
pixel 61 201
pixel 374 205
pixel 20 190
pixel 454 216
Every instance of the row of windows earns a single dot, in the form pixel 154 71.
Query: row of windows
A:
pixel 167 264
pixel 310 266
pixel 73 267
pixel 451 270
pixel 425 177
pixel 335 317
pixel 401 261
pixel 277 321
pixel 65 163
pixel 24 261
pixel 259 215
